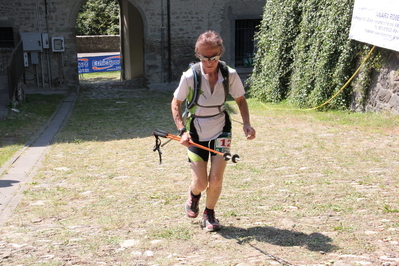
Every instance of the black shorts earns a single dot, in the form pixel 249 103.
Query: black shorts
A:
pixel 198 154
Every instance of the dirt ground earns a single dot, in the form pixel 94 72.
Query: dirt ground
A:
pixel 311 189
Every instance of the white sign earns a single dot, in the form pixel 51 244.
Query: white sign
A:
pixel 376 23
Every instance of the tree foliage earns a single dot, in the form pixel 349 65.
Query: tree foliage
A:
pixel 304 52
pixel 98 17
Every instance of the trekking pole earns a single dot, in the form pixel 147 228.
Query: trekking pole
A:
pixel 160 133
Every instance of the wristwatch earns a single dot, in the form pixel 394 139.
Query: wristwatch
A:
pixel 182 130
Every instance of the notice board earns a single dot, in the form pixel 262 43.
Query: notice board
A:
pixel 376 22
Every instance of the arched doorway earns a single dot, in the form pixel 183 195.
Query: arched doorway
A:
pixel 132 41
pixel 130 46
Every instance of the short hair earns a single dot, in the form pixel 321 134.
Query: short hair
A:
pixel 210 38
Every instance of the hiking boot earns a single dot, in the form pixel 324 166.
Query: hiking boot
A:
pixel 209 222
pixel 191 206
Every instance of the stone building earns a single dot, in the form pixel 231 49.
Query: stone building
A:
pixel 156 42
pixel 157 37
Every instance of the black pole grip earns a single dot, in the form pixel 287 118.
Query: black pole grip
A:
pixel 160 133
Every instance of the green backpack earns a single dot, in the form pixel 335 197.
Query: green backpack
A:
pixel 192 98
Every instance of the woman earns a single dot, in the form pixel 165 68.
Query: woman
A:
pixel 209 125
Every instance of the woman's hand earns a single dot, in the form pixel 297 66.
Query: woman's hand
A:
pixel 185 139
pixel 249 132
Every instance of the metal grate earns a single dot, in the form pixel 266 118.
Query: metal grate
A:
pixel 244 41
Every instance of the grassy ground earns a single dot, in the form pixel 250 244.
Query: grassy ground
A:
pixel 96 77
pixel 19 127
pixel 313 188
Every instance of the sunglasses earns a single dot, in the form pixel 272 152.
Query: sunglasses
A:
pixel 204 58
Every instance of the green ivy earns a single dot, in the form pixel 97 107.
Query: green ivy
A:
pixel 274 59
pixel 304 53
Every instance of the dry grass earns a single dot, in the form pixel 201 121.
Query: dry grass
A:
pixel 312 189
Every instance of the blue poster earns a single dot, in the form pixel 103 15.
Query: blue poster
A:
pixel 90 64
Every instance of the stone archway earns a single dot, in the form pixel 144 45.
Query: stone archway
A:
pixel 132 41
pixel 132 38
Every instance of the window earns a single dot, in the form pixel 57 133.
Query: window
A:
pixel 244 41
pixel 6 37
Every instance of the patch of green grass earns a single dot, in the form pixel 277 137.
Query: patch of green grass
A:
pixel 388 209
pixel 383 122
pixel 100 76
pixel 20 126
pixel 178 232
pixel 341 228
pixel 230 213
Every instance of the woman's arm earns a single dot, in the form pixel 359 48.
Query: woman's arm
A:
pixel 177 113
pixel 177 117
pixel 249 131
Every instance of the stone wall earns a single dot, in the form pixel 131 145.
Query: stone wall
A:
pixel 384 90
pixel 383 93
pixel 98 43
pixel 188 19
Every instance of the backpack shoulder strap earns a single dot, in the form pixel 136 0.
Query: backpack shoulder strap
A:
pixel 197 84
pixel 225 73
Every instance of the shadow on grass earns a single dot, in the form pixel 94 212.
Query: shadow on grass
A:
pixel 287 238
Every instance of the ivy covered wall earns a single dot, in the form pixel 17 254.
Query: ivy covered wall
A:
pixel 305 55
